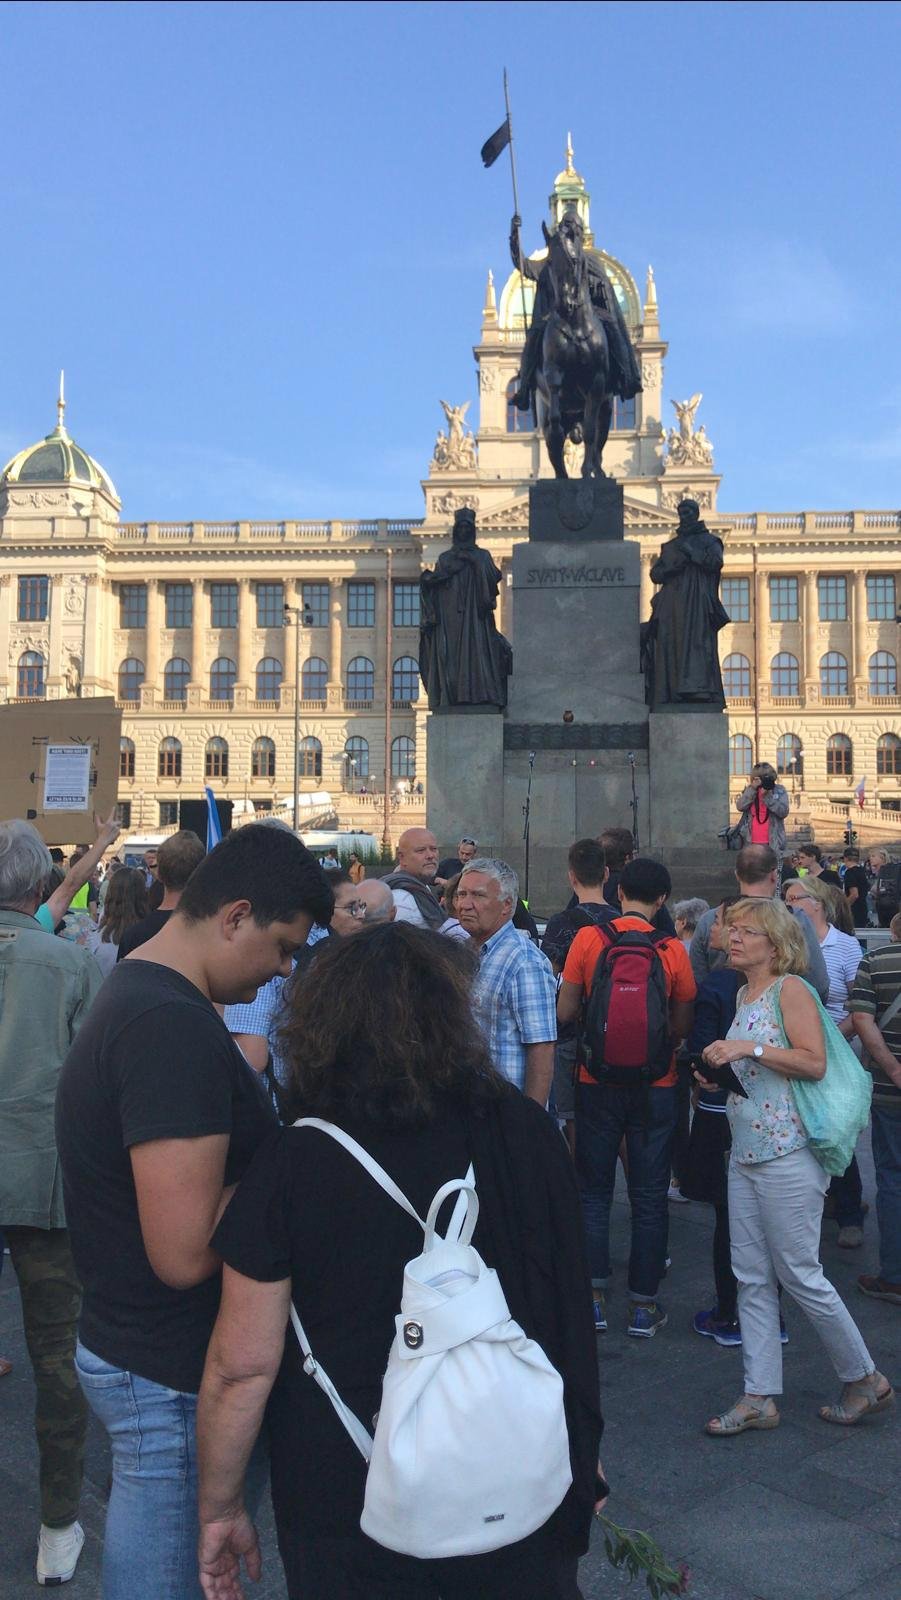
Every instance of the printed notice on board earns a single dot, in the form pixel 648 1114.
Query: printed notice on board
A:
pixel 67 777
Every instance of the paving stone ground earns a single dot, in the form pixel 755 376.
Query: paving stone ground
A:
pixel 806 1512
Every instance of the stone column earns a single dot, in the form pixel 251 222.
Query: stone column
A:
pixel 197 632
pixel 152 635
pixel 859 625
pixel 811 620
pixel 334 687
pixel 245 638
pixel 55 663
pixel 96 674
pixel 6 669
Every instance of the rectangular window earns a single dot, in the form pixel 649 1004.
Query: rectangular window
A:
pixel 833 598
pixel 406 605
pixel 179 605
pixel 270 605
pixel 224 605
pixel 880 599
pixel 736 597
pixel 361 605
pixel 132 605
pixel 168 813
pixel 783 599
pixel 315 605
pixel 123 813
pixel 34 596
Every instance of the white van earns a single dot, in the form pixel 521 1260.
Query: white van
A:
pixel 318 840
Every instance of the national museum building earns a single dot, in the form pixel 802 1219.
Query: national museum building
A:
pixel 206 631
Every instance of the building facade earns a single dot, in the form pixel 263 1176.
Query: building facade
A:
pixel 207 632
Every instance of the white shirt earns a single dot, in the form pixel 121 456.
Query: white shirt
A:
pixel 842 956
pixel 406 909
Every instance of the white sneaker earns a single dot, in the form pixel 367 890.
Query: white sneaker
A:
pixel 675 1193
pixel 58 1552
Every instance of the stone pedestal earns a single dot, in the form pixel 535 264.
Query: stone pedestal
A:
pixel 465 751
pixel 689 765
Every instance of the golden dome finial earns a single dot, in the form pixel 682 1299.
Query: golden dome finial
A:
pixel 61 403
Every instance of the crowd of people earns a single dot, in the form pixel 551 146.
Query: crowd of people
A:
pixel 198 1091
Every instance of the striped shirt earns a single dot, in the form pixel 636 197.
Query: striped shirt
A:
pixel 515 1000
pixel 876 985
pixel 842 955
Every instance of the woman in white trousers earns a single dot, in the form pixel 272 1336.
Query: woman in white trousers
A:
pixel 776 1185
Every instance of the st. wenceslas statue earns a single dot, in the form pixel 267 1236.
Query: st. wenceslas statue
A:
pixel 678 645
pixel 577 353
pixel 463 660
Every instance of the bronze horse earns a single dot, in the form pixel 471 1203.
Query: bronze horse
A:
pixel 573 397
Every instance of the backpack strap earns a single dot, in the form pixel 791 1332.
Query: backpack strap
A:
pixel 365 1159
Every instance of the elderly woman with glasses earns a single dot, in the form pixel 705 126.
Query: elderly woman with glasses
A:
pixel 776 1185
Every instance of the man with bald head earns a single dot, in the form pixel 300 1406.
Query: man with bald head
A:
pixel 360 905
pixel 410 883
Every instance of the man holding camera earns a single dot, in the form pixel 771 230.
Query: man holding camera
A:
pixel 763 805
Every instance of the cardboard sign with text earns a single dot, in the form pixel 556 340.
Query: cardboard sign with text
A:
pixel 59 763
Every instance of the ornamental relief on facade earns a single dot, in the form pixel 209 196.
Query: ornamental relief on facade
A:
pixel 651 374
pixel 446 504
pixel 36 498
pixel 489 379
pixel 20 642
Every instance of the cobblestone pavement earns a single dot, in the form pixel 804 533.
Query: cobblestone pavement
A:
pixel 806 1512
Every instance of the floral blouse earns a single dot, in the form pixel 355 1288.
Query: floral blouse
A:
pixel 766 1124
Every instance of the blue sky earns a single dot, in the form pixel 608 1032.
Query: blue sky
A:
pixel 256 236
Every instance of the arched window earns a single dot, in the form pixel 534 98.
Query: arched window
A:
pixel 215 760
pixel 517 421
pixel 262 759
pixel 789 756
pixel 313 676
pixel 357 751
pixel 883 674
pixel 839 756
pixel 403 757
pixel 175 679
pixel 360 678
pixel 405 681
pixel 223 673
pixel 309 758
pixel 170 758
pixel 888 756
pixel 785 675
pixel 126 758
pixel 269 677
pixel 131 676
pixel 739 755
pixel 30 676
pixel 737 677
pixel 834 674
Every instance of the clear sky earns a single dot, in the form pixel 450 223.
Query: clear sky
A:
pixel 256 235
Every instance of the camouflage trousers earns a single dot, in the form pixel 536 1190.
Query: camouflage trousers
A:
pixel 51 1302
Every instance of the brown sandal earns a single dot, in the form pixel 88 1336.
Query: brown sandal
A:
pixel 871 1399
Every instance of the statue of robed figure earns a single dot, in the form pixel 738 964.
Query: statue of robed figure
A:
pixel 463 659
pixel 679 644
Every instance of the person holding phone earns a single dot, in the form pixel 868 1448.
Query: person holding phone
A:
pixel 776 1185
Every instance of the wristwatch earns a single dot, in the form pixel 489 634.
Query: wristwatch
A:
pixel 757 1052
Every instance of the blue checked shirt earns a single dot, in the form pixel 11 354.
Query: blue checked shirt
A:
pixel 515 1000
pixel 262 1015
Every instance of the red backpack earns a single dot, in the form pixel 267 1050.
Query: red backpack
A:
pixel 626 1035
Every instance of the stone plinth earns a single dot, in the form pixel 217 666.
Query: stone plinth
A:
pixel 689 764
pixel 465 765
pixel 582 509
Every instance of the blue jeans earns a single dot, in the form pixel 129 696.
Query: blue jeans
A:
pixel 887 1161
pixel 150 1544
pixel 605 1114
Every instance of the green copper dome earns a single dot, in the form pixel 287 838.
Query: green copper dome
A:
pixel 56 459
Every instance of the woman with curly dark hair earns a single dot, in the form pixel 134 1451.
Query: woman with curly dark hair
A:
pixel 382 1043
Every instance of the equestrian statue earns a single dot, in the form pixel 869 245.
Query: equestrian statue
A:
pixel 577 353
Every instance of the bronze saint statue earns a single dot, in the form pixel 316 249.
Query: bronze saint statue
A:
pixel 678 645
pixel 463 660
pixel 577 354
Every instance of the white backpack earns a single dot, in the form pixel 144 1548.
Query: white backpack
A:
pixel 471 1450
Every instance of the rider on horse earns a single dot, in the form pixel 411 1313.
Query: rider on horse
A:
pixel 625 378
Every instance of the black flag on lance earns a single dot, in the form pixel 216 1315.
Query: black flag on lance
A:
pixel 499 141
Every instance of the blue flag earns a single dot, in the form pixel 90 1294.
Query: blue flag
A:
pixel 213 825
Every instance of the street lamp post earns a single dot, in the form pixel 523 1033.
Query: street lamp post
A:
pixel 301 616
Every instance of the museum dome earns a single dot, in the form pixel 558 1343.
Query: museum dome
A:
pixel 56 459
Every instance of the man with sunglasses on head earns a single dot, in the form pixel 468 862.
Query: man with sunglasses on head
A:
pixel 467 850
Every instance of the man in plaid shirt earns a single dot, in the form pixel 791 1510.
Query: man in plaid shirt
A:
pixel 515 993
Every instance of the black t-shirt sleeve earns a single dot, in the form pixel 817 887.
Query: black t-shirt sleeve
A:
pixel 173 1075
pixel 254 1235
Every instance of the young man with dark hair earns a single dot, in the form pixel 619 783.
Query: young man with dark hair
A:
pixel 177 860
pixel 618 845
pixel 810 860
pixel 587 874
pixel 157 1117
pixel 855 886
pixel 643 1112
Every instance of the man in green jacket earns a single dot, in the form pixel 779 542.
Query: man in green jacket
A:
pixel 47 986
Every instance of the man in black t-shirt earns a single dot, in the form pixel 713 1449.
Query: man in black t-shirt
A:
pixel 855 886
pixel 587 873
pixel 157 1117
pixel 177 859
